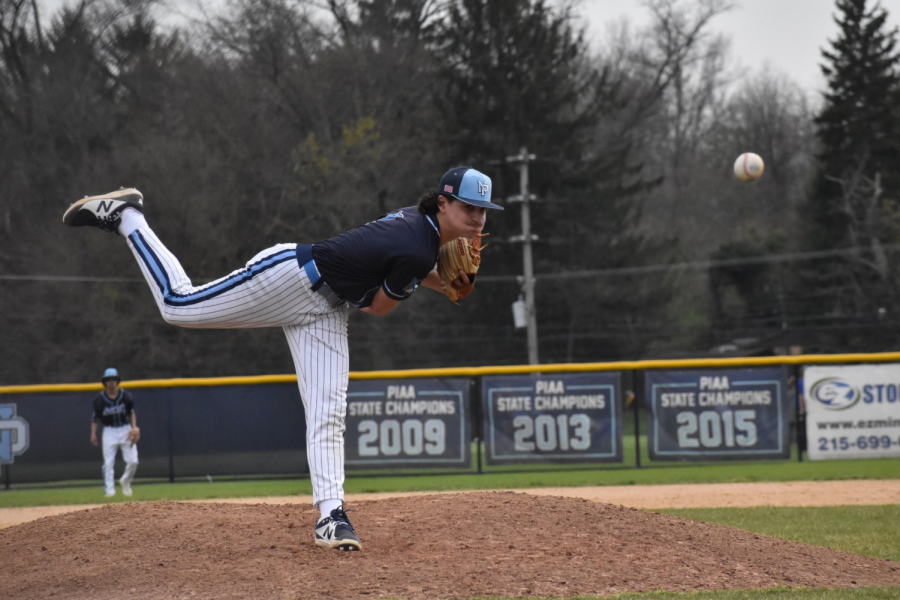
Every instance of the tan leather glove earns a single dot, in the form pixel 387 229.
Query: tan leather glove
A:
pixel 134 435
pixel 460 255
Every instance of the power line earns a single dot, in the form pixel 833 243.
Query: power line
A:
pixel 69 278
pixel 697 265
pixel 644 270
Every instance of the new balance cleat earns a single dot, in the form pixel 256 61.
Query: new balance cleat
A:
pixel 104 212
pixel 335 531
pixel 126 487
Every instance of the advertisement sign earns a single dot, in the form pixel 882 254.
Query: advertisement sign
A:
pixel 852 412
pixel 13 434
pixel 407 423
pixel 552 418
pixel 718 414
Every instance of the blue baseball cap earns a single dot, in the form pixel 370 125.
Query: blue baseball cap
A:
pixel 110 374
pixel 468 185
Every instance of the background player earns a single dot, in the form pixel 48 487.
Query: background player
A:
pixel 307 290
pixel 114 407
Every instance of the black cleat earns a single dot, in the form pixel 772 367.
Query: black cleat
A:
pixel 104 211
pixel 335 531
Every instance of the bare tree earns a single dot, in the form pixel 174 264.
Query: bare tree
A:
pixel 869 221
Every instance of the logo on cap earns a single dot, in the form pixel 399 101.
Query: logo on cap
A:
pixel 468 185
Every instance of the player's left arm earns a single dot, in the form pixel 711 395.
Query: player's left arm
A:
pixel 403 278
pixel 381 304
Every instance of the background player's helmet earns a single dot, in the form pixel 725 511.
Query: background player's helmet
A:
pixel 468 185
pixel 110 374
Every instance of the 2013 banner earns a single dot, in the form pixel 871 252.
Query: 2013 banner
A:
pixel 552 418
pixel 407 423
pixel 852 411
pixel 718 414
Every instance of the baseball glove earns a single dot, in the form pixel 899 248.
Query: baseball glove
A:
pixel 134 435
pixel 460 255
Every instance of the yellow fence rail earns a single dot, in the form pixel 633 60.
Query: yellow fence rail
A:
pixel 692 363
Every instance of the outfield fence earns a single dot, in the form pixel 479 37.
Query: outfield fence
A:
pixel 480 419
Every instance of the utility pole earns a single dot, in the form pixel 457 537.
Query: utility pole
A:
pixel 522 159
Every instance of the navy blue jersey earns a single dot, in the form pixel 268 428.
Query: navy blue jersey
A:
pixel 115 412
pixel 396 253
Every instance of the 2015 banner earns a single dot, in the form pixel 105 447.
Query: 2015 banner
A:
pixel 552 418
pixel 407 423
pixel 718 414
pixel 852 411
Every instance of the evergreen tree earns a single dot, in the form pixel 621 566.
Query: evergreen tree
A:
pixel 514 74
pixel 852 204
pixel 518 73
pixel 858 126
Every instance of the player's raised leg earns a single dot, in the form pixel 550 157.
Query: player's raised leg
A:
pixel 271 290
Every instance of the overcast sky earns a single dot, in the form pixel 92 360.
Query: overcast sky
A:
pixel 788 34
pixel 785 34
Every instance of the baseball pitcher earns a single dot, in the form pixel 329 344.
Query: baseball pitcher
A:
pixel 308 290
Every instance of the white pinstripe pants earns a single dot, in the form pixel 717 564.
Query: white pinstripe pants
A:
pixel 272 290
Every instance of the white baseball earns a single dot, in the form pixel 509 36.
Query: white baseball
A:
pixel 749 167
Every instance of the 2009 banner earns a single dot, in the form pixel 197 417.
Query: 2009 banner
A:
pixel 852 411
pixel 552 418
pixel 718 414
pixel 407 423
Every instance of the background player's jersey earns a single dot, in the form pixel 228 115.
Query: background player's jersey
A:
pixel 396 253
pixel 115 412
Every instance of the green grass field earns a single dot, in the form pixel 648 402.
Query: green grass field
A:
pixel 869 530
pixel 773 594
pixel 92 492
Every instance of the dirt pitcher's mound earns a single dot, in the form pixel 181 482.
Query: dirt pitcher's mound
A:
pixel 442 546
